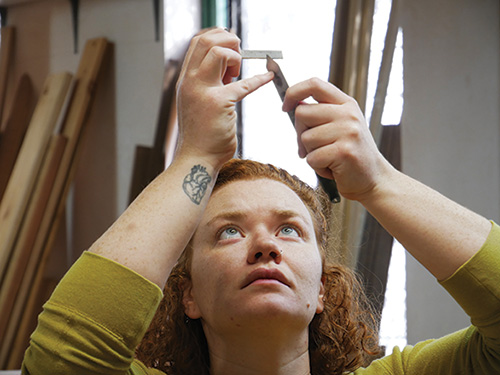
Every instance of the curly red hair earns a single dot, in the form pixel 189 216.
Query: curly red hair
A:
pixel 342 338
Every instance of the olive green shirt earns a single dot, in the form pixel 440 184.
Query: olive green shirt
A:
pixel 100 311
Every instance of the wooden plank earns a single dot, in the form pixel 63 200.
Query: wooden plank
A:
pixel 149 162
pixel 140 171
pixel 376 244
pixel 21 183
pixel 348 71
pixel 7 35
pixel 86 81
pixel 384 73
pixel 25 302
pixel 16 126
pixel 91 62
pixel 93 57
pixel 22 255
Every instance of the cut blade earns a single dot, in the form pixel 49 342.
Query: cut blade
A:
pixel 329 186
pixel 280 83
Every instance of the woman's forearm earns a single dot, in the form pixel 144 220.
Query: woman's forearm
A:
pixel 150 235
pixel 441 234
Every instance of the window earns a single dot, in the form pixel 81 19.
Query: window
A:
pixel 304 34
pixel 393 323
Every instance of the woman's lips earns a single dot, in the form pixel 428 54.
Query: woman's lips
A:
pixel 262 274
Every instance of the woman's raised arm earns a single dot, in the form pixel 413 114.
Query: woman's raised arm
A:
pixel 334 137
pixel 150 235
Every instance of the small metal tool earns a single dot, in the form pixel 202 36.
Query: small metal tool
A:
pixel 329 186
pixel 261 54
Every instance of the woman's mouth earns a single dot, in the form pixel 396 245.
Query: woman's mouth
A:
pixel 265 276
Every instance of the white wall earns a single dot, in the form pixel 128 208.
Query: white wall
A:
pixel 126 105
pixel 451 128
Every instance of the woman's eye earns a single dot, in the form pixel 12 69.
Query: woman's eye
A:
pixel 289 232
pixel 230 233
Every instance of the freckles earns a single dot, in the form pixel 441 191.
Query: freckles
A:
pixel 308 305
pixel 237 324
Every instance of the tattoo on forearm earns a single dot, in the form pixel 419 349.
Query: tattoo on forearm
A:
pixel 196 183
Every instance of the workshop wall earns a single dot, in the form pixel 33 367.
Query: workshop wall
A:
pixel 126 105
pixel 451 128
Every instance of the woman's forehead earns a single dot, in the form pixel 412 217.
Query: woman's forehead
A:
pixel 257 194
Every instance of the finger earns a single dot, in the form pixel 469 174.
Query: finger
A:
pixel 233 69
pixel 322 160
pixel 302 148
pixel 220 64
pixel 246 86
pixel 309 116
pixel 317 137
pixel 192 47
pixel 202 43
pixel 321 91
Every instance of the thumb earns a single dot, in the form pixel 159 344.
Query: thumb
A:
pixel 246 86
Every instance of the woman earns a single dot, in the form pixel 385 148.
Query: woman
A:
pixel 256 284
pixel 337 324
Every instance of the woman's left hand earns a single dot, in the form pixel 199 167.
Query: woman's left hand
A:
pixel 334 138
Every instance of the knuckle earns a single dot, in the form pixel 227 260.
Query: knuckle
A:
pixel 347 152
pixel 315 82
pixel 198 39
pixel 315 159
pixel 353 104
pixel 306 137
pixel 217 51
pixel 245 86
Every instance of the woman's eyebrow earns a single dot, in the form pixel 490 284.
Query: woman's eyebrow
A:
pixel 237 215
pixel 289 214
pixel 227 215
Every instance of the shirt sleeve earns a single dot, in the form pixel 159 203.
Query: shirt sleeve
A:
pixel 93 321
pixel 474 350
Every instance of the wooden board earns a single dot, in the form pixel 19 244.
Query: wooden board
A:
pixel 23 176
pixel 149 162
pixel 23 255
pixel 86 81
pixel 16 126
pixel 91 62
pixel 7 34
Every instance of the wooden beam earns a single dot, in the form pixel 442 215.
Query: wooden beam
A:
pixel 376 244
pixel 24 260
pixel 348 71
pixel 7 34
pixel 73 128
pixel 15 129
pixel 385 72
pixel 149 162
pixel 24 174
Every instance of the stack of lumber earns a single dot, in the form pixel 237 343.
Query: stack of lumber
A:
pixel 38 151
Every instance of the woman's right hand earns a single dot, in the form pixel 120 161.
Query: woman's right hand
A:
pixel 207 96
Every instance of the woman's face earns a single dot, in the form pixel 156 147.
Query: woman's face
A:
pixel 255 259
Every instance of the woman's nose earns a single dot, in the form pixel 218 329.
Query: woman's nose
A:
pixel 264 248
